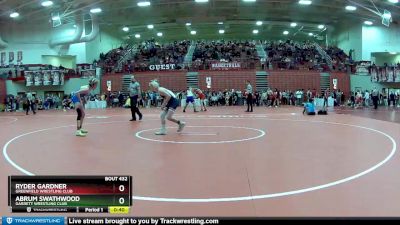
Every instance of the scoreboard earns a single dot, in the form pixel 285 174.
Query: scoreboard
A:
pixel 75 194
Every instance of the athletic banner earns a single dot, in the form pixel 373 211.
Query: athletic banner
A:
pixel 47 78
pixel 11 57
pixel 38 79
pixel 225 65
pixel 208 82
pixel 19 56
pixel 56 78
pixel 335 83
pixel 362 67
pixel 3 59
pixel 28 79
pixel 109 85
pixel 162 67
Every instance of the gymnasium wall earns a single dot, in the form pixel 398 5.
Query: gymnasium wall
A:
pixel 380 39
pixel 343 82
pixel 175 80
pixel 33 40
pixel 349 36
pixel 364 82
pixel 293 80
pixel 221 80
pixel 69 86
pixel 3 90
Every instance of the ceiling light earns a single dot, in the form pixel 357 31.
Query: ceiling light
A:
pixel 255 31
pixel 159 34
pixel 143 3
pixel 74 25
pixel 259 23
pixel 321 26
pixel 351 8
pixel 47 3
pixel 126 29
pixel 305 2
pixel 95 10
pixel 220 23
pixel 14 15
pixel 368 23
pixel 393 53
pixel 394 1
pixel 221 31
pixel 285 32
pixel 188 24
pixel 193 32
pixel 293 24
pixel 151 26
pixel 201 1
pixel 55 18
pixel 249 0
pixel 310 34
pixel 137 35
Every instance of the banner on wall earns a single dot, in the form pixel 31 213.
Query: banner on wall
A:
pixel 3 58
pixel 19 56
pixel 335 82
pixel 28 78
pixel 208 82
pixel 11 57
pixel 223 65
pixel 56 78
pixel 362 67
pixel 162 67
pixel 109 85
pixel 47 78
pixel 38 79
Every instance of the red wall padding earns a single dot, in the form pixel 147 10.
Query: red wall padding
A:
pixel 293 80
pixel 221 80
pixel 343 82
pixel 172 80
pixel 3 91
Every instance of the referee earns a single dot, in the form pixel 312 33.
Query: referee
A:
pixel 249 90
pixel 135 95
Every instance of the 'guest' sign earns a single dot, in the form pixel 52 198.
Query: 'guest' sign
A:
pixel 162 67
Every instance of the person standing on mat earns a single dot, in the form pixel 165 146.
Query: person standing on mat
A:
pixel 135 95
pixel 30 103
pixel 79 105
pixel 375 97
pixel 190 99
pixel 202 98
pixel 249 100
pixel 168 107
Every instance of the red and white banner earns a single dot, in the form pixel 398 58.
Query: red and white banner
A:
pixel 19 56
pixel 3 59
pixel 225 65
pixel 11 57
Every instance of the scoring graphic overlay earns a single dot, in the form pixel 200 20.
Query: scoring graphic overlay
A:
pixel 86 194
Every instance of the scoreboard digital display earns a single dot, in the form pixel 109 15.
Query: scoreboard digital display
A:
pixel 86 194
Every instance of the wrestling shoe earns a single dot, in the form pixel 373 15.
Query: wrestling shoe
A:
pixel 162 131
pixel 181 126
pixel 84 131
pixel 80 134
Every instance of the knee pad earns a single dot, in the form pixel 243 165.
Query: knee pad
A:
pixel 79 111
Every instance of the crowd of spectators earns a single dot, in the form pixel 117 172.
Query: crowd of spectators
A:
pixel 280 55
pixel 224 51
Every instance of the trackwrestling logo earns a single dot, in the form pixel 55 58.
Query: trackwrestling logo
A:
pixel 9 220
